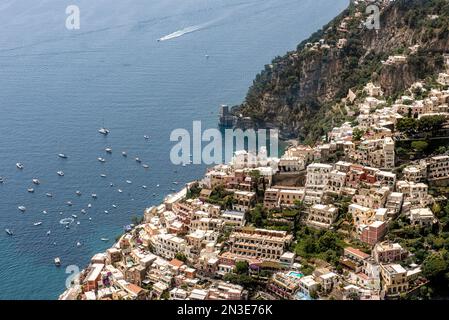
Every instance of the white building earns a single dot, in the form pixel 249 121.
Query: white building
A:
pixel 322 216
pixel 316 182
pixel 422 217
pixel 168 245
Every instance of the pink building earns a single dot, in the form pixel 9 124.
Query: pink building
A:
pixel 374 232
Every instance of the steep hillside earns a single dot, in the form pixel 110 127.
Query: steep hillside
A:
pixel 297 92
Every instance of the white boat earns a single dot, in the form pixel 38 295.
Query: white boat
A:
pixel 175 182
pixel 94 195
pixel 77 222
pixel 62 156
pixel 60 173
pixel 138 160
pixel 146 137
pixel 108 150
pixel 90 219
pixel 57 261
pixel 36 181
pixel 37 223
pixel 30 190
pixel 74 216
pixel 124 154
pixel 2 180
pixel 44 211
pixel 144 186
pixel 19 165
pixel 114 206
pixel 9 232
pixel 78 244
pixel 104 239
pixel 129 181
pixel 89 205
pixel 101 159
pixel 106 211
pixel 69 203
pixel 111 184
pixel 145 166
pixel 157 185
pixel 103 175
pixel 49 195
pixel 120 190
pixel 48 232
pixel 78 193
pixel 83 211
pixel 103 131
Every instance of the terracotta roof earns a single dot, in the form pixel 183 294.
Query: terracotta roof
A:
pixel 134 289
pixel 357 252
pixel 176 263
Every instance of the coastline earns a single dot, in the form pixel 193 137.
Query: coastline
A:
pixel 328 220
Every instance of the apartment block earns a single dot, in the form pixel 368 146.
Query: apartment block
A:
pixel 167 245
pixel 438 168
pixel 316 182
pixel 322 216
pixel 244 201
pixel 387 252
pixel 394 279
pixel 374 232
pixel 249 243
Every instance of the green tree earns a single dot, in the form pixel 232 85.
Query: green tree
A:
pixel 406 125
pixel 441 150
pixel 242 267
pixel 181 257
pixel 434 266
pixel 136 220
pixel 357 134
pixel 258 216
pixel 431 123
pixel 419 146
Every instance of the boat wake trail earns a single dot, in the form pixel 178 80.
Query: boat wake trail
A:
pixel 187 30
pixel 180 33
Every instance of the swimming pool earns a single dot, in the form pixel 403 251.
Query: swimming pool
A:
pixel 295 274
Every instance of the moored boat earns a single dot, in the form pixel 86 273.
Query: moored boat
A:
pixel 103 131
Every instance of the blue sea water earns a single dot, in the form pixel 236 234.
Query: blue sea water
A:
pixel 57 87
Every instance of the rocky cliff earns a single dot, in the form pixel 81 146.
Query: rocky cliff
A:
pixel 297 92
